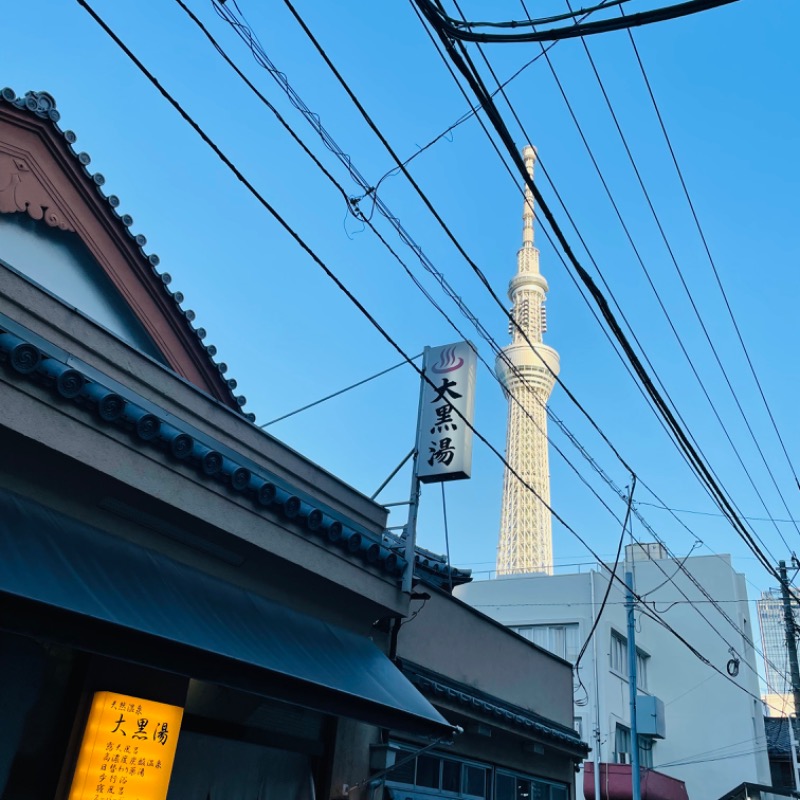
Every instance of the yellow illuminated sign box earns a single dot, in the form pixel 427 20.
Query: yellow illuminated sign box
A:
pixel 128 749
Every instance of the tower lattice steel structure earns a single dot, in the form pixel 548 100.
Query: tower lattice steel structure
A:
pixel 528 370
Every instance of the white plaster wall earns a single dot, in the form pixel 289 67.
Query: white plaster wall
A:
pixel 714 729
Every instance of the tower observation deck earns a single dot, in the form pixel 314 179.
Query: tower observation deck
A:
pixel 526 537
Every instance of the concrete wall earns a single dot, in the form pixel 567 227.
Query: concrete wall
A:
pixel 451 638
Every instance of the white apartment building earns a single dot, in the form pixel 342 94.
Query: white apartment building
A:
pixel 713 723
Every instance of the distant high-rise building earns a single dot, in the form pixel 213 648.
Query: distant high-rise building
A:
pixel 778 696
pixel 528 369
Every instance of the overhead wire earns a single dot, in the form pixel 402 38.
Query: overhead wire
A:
pixel 566 210
pixel 473 110
pixel 327 139
pixel 583 12
pixel 681 564
pixel 639 259
pixel 442 21
pixel 613 571
pixel 337 393
pixel 750 517
pixel 483 361
pixel 730 621
pixel 220 154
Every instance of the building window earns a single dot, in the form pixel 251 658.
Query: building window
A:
pixel 622 748
pixel 622 745
pixel 510 786
pixel 619 653
pixel 619 660
pixel 642 660
pixel 451 777
pixel 439 776
pixel 559 639
pixel 646 752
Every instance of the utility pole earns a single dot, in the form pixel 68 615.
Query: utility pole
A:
pixel 791 636
pixel 636 789
pixel 794 671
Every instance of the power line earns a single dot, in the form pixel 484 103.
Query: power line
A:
pixel 351 166
pixel 603 602
pixel 442 22
pixel 263 59
pixel 714 514
pixel 282 81
pixel 583 12
pixel 730 621
pixel 514 154
pixel 309 250
pixel 336 394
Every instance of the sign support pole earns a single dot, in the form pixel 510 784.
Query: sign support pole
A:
pixel 410 533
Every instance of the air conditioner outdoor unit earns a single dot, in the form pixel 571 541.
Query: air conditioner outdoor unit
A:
pixel 623 758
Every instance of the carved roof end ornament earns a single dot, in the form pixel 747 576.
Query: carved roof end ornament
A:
pixel 21 191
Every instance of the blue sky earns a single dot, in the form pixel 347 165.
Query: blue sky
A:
pixel 725 82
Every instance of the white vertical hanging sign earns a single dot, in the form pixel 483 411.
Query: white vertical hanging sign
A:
pixel 447 404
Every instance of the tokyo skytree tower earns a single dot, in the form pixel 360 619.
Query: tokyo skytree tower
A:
pixel 526 537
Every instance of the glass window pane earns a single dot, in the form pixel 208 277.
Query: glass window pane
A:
pixel 523 789
pixel 404 773
pixel 558 793
pixel 540 791
pixel 641 669
pixel 622 741
pixel 451 775
pixel 619 653
pixel 645 752
pixel 428 771
pixel 505 787
pixel 573 643
pixel 474 781
pixel 558 641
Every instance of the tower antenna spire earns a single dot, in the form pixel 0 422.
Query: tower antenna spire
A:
pixel 529 155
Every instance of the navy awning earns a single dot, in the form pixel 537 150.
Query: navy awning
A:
pixel 86 586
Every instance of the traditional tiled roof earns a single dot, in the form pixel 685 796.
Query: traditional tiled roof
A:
pixel 434 569
pixel 26 358
pixel 43 106
pixel 777 731
pixel 434 686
